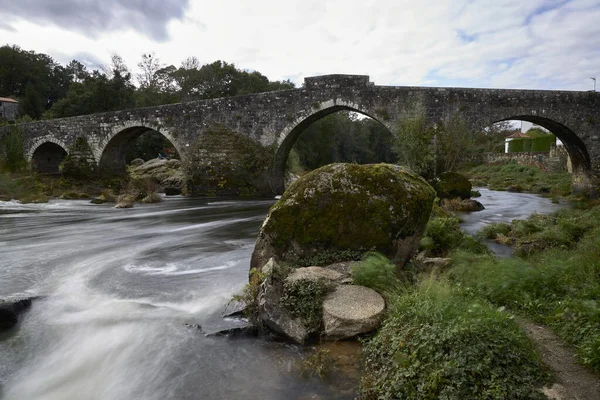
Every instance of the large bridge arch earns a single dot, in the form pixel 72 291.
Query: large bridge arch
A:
pixel 578 151
pixel 111 152
pixel 292 131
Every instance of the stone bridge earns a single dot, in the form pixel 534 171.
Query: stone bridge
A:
pixel 220 139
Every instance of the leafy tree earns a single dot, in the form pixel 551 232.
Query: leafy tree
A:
pixel 32 104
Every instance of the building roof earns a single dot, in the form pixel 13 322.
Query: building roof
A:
pixel 517 135
pixel 8 100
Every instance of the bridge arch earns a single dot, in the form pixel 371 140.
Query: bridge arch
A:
pixel 46 154
pixel 290 134
pixel 111 152
pixel 578 152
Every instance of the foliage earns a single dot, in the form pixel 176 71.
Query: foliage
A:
pixel 443 235
pixel 431 149
pixel 341 137
pixel 12 151
pixel 441 343
pixel 46 88
pixel 249 295
pixel 148 145
pixel 375 271
pixel 413 142
pixel 327 257
pixel 304 299
pixel 76 165
pixel 319 363
pixel 529 178
pixel 558 284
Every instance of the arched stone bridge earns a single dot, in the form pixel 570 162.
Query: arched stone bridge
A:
pixel 257 131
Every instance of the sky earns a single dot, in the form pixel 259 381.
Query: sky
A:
pixel 529 44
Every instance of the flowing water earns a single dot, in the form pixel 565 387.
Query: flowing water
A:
pixel 504 207
pixel 116 288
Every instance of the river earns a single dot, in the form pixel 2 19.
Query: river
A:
pixel 116 288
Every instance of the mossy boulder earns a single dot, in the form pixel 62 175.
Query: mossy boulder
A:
pixel 167 174
pixel 450 185
pixel 341 207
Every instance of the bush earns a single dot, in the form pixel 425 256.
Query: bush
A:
pixel 12 151
pixel 557 286
pixel 375 271
pixel 438 343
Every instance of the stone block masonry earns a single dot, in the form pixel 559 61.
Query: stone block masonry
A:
pixel 274 120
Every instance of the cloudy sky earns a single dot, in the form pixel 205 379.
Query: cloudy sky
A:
pixel 548 44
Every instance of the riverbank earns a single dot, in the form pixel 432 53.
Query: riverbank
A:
pixel 35 188
pixel 521 178
pixel 454 333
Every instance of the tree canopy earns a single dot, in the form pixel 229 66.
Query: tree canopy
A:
pixel 46 89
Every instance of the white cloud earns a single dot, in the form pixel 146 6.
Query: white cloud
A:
pixel 551 44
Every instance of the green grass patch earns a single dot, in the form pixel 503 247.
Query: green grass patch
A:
pixel 521 178
pixel 440 342
pixel 375 271
pixel 556 281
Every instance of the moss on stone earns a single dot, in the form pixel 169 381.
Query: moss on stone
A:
pixel 223 162
pixel 77 164
pixel 349 207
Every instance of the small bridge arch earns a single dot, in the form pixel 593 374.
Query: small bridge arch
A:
pixel 46 155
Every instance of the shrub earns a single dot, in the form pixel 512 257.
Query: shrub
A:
pixel 12 151
pixel 438 343
pixel 375 271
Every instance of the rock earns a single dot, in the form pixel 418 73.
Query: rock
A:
pixel 435 263
pixel 451 184
pixel 557 392
pixel 125 201
pixel 344 267
pixel 8 319
pixel 98 200
pixel 351 310
pixel 342 207
pixel 275 317
pixel 237 332
pixel 10 310
pixel 137 162
pixel 457 204
pixel 315 274
pixel 165 173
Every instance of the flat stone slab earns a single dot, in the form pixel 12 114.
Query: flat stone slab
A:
pixel 351 310
pixel 315 274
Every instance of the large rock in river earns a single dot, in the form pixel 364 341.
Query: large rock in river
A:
pixel 168 174
pixel 451 185
pixel 347 207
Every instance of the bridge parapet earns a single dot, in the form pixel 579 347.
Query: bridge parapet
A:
pixel 336 81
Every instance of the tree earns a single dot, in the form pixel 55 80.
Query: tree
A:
pixel 413 142
pixel 32 104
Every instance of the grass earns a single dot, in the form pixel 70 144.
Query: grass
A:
pixel 375 271
pixel 555 281
pixel 441 342
pixel 521 178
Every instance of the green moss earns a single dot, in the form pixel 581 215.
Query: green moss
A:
pixel 394 199
pixel 304 299
pixel 223 162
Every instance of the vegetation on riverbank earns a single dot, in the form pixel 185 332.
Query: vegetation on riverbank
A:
pixel 454 335
pixel 441 342
pixel 521 178
pixel 555 282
